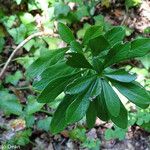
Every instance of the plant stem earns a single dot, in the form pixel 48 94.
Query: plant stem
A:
pixel 42 33
pixel 47 112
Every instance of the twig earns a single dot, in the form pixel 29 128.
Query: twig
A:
pixel 42 33
pixel 126 16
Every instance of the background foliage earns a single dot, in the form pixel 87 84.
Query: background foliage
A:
pixel 18 99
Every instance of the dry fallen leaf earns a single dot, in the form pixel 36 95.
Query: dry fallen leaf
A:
pixel 17 124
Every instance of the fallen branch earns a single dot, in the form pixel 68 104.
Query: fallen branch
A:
pixel 42 33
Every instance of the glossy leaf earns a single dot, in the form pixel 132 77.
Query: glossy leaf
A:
pixel 79 106
pixel 47 59
pixel 77 60
pixel 124 51
pixel 96 89
pixel 58 122
pixel 120 75
pixel 91 115
pixel 52 72
pixel 65 33
pixel 117 53
pixel 98 65
pixel 116 34
pixel 90 90
pixel 79 85
pixel 92 32
pixel 133 92
pixel 76 47
pixel 111 98
pixel 98 45
pixel 54 88
pixel 145 60
pixel 140 47
pixel 101 108
pixel 121 120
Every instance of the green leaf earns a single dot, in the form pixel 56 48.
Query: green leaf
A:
pixel 122 119
pixel 81 12
pixel 140 121
pixel 18 2
pixel 109 134
pixel 92 143
pixel 115 35
pixel 111 98
pixel 47 59
pixel 55 87
pixel 25 61
pixel 91 115
pixel 98 65
pixel 120 133
pixel 100 20
pixel 106 3
pixel 76 47
pixel 79 85
pixel 145 61
pixel 2 43
pixel 120 75
pixel 44 124
pixel 22 138
pixel 101 108
pixel 29 45
pixel 135 93
pixel 81 32
pixel 65 33
pixel 61 9
pixel 18 33
pixel 58 122
pixel 132 3
pixel 124 51
pixel 117 53
pixel 77 60
pixel 96 89
pixel 33 106
pixel 52 72
pixel 140 47
pixel 9 103
pixel 143 106
pixel 8 21
pixel 26 18
pixel 92 32
pixel 98 45
pixel 147 30
pixel 146 126
pixel 78 133
pixel 79 106
pixel 29 119
pixel 14 79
